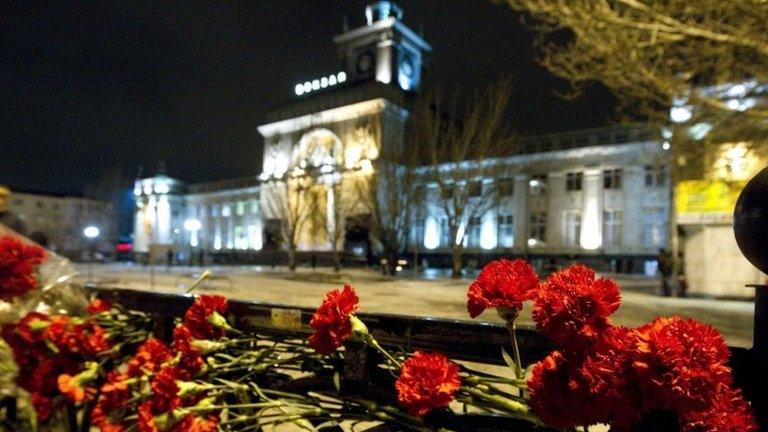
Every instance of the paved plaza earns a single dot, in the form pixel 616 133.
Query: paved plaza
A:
pixel 430 295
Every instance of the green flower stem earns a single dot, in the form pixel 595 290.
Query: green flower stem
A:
pixel 516 408
pixel 519 383
pixel 515 348
pixel 373 343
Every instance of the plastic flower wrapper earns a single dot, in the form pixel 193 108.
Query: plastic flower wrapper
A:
pixel 35 279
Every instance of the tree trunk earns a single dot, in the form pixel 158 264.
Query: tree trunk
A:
pixel 292 257
pixel 336 260
pixel 391 263
pixel 456 258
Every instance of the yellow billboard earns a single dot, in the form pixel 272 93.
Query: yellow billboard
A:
pixel 705 196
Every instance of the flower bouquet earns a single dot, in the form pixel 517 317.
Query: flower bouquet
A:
pixel 105 371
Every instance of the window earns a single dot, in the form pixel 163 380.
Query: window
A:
pixel 506 187
pixel 226 210
pixel 446 192
pixel 254 206
pixel 537 184
pixel 538 228
pixel 214 210
pixel 654 228
pixel 506 230
pixel 573 181
pixel 240 208
pixel 655 175
pixel 612 228
pixel 475 189
pixel 473 232
pixel 445 233
pixel 612 179
pixel 572 228
pixel 241 240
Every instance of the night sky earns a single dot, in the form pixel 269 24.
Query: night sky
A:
pixel 100 88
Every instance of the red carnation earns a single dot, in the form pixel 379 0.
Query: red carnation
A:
pixel 681 363
pixel 43 406
pixel 147 418
pixel 200 317
pixel 502 284
pixel 149 357
pixel 164 390
pixel 729 412
pixel 98 306
pixel 552 397
pixel 192 423
pixel 190 361
pixel 427 381
pixel 572 307
pixel 331 320
pixel 18 263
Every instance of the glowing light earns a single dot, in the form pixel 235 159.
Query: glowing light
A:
pixel 323 82
pixel 299 89
pixel 590 231
pixel 332 80
pixel 366 167
pixel 680 114
pixel 399 268
pixel 431 234
pixel 315 84
pixel 665 145
pixel 733 104
pixel 255 239
pixel 161 188
pixel 91 232
pixel 699 130
pixel 341 77
pixel 533 183
pixel 192 225
pixel 666 133
pixel 148 188
pixel 326 169
pixel 319 83
pixel 137 191
pixel 263 176
pixel 532 242
pixel 737 90
pixel 307 87
pixel 488 233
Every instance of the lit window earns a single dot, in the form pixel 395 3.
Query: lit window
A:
pixel 572 228
pixel 612 228
pixel 240 208
pixel 254 206
pixel 612 178
pixel 573 181
pixel 226 211
pixel 506 230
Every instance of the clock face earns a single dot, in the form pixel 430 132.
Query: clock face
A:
pixel 364 62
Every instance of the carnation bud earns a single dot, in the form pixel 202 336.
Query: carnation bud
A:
pixel 215 319
pixel 206 346
pixel 189 388
pixel 508 314
pixel 358 327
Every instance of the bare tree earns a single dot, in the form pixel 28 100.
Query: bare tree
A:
pixel 292 202
pixel 333 225
pixel 387 194
pixel 460 143
pixel 658 52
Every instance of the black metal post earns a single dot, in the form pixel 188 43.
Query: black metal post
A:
pixel 760 357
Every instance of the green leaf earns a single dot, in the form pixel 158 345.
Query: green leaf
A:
pixel 508 360
pixel 328 424
pixel 337 381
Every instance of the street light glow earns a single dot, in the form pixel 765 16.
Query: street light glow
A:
pixel 192 225
pixel 91 232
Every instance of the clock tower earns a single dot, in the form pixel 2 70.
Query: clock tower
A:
pixel 385 49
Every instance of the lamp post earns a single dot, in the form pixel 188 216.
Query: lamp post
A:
pixel 91 233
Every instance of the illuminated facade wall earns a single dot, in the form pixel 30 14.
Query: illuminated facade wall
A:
pixel 605 199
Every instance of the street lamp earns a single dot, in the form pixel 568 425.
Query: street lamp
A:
pixel 91 233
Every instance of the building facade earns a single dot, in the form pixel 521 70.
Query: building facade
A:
pixel 59 221
pixel 600 196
